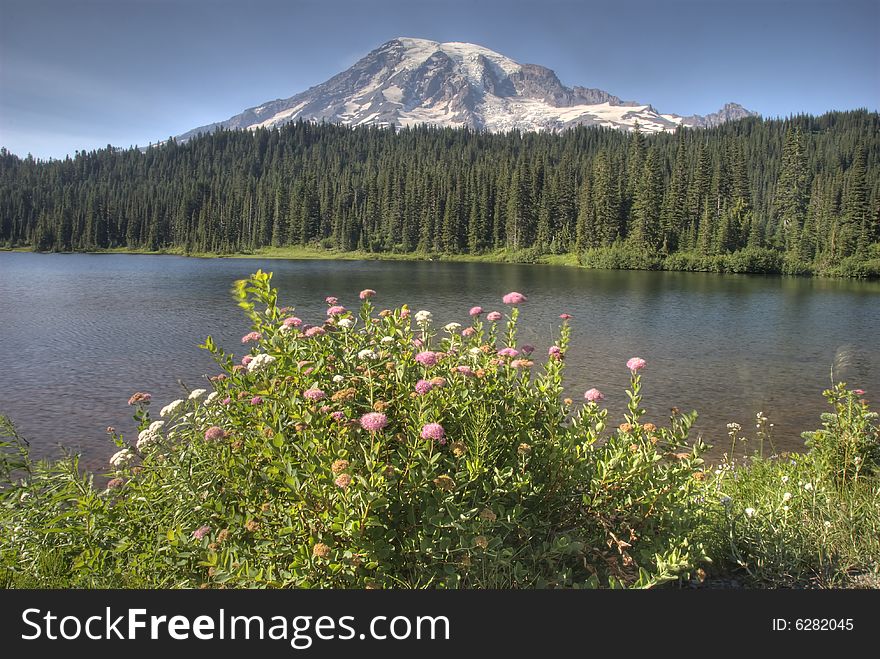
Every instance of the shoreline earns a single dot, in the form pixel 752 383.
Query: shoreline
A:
pixel 501 256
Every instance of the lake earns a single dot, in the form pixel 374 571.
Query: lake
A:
pixel 82 332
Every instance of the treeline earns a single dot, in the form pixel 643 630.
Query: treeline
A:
pixel 794 195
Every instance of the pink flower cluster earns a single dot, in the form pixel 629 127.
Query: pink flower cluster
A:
pixel 293 321
pixel 331 300
pixel 201 532
pixel 555 352
pixel 508 352
pixel 373 421
pixel 427 358
pixel 593 395
pixel 434 431
pixel 514 298
pixel 635 364
pixel 476 311
pixel 251 336
pixel 214 434
pixel 314 393
pixel 315 331
pixel 424 386
pixel 336 310
pixel 367 293
pixel 493 317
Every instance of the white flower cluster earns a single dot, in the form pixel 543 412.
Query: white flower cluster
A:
pixel 259 362
pixel 171 407
pixel 367 354
pixel 121 458
pixel 149 435
pixel 346 323
pixel 197 394
pixel 386 340
pixel 423 317
pixel 452 327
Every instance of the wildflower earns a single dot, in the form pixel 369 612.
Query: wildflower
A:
pixel 458 449
pixel 404 311
pixel 784 479
pixel 827 524
pixel 140 398
pixel 476 352
pixel 468 332
pixel 226 401
pixel 444 482
pixel 522 363
pixel 434 431
pixel 380 406
pixel 367 354
pixel 293 321
pixel 331 300
pixel 465 370
pixel 423 317
pixel 339 466
pixel 214 433
pixel 201 532
pixel 565 316
pixel 252 525
pixel 366 294
pixel 338 378
pixel 423 386
pixel 699 475
pixel 735 427
pixel 527 349
pixel 438 382
pixel 786 496
pixel 314 394
pixel 555 352
pixel 113 483
pixel 508 352
pixel 635 364
pixel 373 421
pixel 808 487
pixel 338 416
pixel 251 336
pixel 320 550
pixel 493 316
pixel 345 323
pixel 171 407
pixel 387 340
pixel 487 515
pixel 452 327
pixel 523 449
pixel 121 458
pixel 859 392
pixel 196 394
pixel 145 438
pixel 344 395
pixel 750 512
pixel 514 298
pixel 475 311
pixel 260 362
pixel 567 401
pixel 625 427
pixel 649 427
pixel 593 395
pixel 481 541
pixel 427 358
pixel 336 310
pixel 342 481
pixel 257 400
pixel 314 331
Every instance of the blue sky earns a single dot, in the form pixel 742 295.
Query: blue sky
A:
pixel 81 74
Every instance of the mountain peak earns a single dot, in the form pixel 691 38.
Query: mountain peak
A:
pixel 408 81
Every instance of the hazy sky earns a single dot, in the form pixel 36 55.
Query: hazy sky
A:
pixel 81 74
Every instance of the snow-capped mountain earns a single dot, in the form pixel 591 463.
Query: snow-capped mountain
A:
pixel 408 81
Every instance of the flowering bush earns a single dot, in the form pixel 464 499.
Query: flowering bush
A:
pixel 376 450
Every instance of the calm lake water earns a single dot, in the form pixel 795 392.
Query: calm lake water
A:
pixel 80 333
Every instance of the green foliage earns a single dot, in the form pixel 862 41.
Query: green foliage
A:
pixel 805 519
pixel 265 482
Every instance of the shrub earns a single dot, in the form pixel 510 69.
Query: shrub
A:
pixel 370 451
